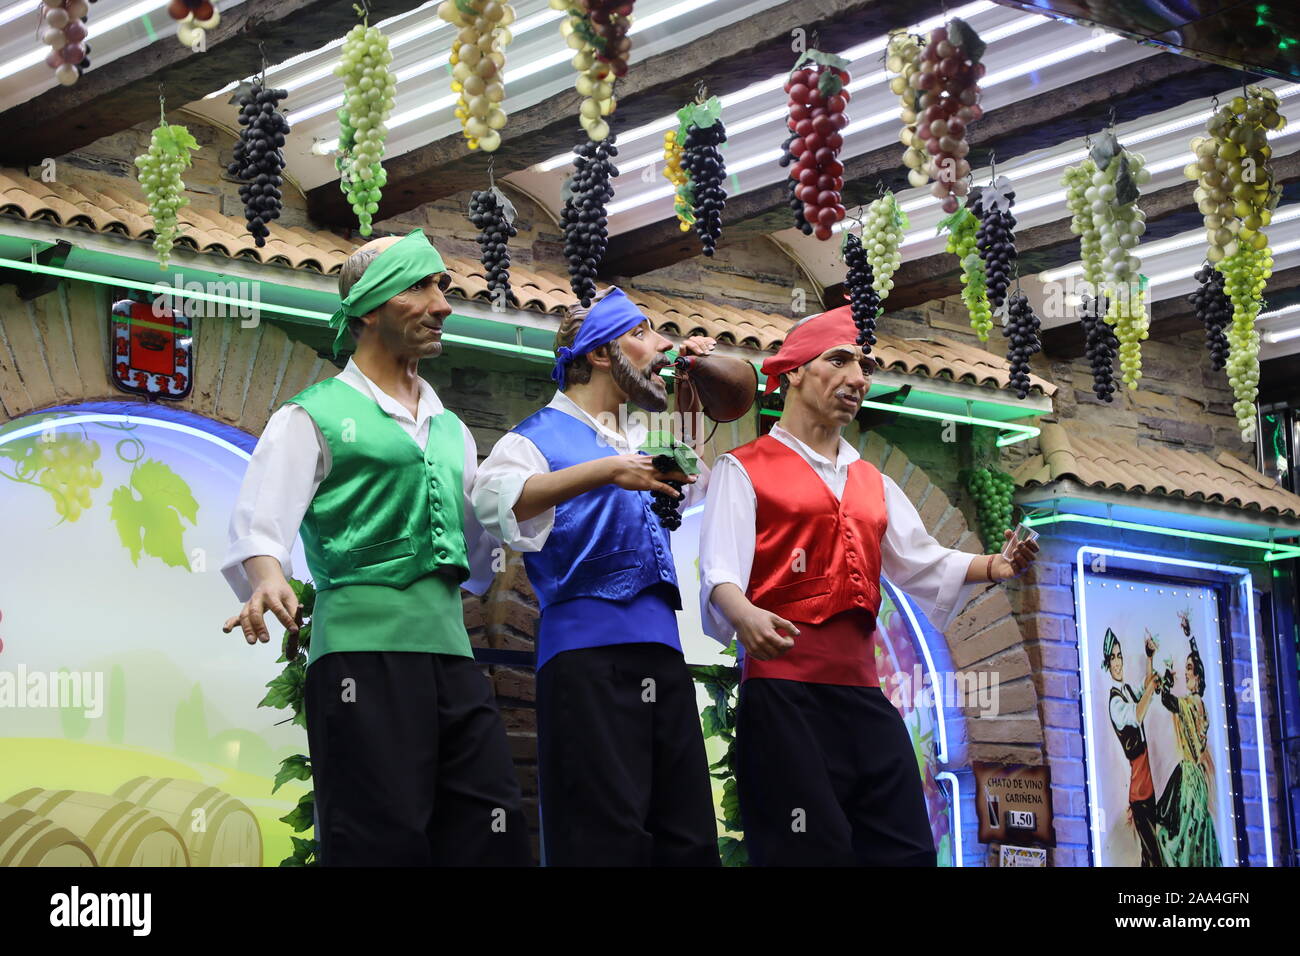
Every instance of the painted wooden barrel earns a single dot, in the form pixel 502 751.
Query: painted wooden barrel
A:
pixel 29 840
pixel 119 833
pixel 218 829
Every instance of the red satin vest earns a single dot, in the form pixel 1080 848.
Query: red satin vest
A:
pixel 816 563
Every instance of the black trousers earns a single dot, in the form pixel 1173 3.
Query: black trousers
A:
pixel 411 763
pixel 623 776
pixel 826 776
pixel 1144 821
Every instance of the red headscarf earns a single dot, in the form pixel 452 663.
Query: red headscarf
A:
pixel 810 339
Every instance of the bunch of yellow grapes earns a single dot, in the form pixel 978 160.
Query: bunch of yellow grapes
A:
pixel 676 174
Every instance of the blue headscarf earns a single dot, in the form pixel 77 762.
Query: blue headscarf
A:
pixel 608 319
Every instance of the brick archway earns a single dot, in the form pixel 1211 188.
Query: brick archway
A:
pixel 54 351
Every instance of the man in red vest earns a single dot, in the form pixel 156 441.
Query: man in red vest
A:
pixel 797 531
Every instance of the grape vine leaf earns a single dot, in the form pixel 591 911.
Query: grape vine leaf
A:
pixel 962 34
pixel 954 222
pixel 152 521
pixel 1126 190
pixel 998 195
pixel 1105 148
pixel 508 211
pixel 823 59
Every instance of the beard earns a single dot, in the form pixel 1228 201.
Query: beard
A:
pixel 644 389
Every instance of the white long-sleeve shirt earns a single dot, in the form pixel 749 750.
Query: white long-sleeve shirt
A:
pixel 291 460
pixel 514 459
pixel 932 575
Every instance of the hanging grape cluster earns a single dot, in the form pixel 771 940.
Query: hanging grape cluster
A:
pixel 792 187
pixel 992 491
pixel 995 239
pixel 259 160
pixel 864 301
pixel 818 97
pixel 665 505
pixel 159 170
pixel 63 30
pixel 478 64
pixel 1213 310
pixel 597 30
pixel 1077 180
pixel 963 230
pixel 903 58
pixel 675 173
pixel 488 213
pixel 1100 345
pixel 947 80
pixel 882 233
pixel 1021 331
pixel 1237 195
pixel 583 216
pixel 708 170
pixel 369 87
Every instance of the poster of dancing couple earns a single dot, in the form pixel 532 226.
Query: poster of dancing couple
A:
pixel 1156 724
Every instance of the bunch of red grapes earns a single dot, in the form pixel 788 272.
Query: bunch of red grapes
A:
pixel 949 101
pixel 611 20
pixel 817 101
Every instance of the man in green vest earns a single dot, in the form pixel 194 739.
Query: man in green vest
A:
pixel 410 761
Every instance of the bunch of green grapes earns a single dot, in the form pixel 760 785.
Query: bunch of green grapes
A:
pixel 992 491
pixel 1076 181
pixel 597 32
pixel 65 467
pixel 478 61
pixel 159 172
pixel 369 87
pixel 1245 273
pixel 904 59
pixel 882 233
pixel 963 227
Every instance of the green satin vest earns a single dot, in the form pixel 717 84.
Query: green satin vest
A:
pixel 383 535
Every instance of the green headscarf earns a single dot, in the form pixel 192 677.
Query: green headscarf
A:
pixel 394 270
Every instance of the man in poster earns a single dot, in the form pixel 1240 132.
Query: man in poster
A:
pixel 409 758
pixel 1128 710
pixel 797 531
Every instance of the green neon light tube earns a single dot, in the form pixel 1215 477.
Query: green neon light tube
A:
pixel 1012 433
pixel 1017 433
pixel 1277 552
pixel 159 287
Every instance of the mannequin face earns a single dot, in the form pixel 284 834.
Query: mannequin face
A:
pixel 409 325
pixel 833 385
pixel 632 366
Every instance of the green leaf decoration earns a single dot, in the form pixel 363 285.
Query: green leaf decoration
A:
pixel 301 817
pixel 1126 190
pixel 148 513
pixel 823 59
pixel 732 851
pixel 285 689
pixel 1105 147
pixel 730 805
pixel 709 720
pixel 829 83
pixel 954 222
pixel 962 34
pixel 702 115
pixel 183 140
pixel 297 767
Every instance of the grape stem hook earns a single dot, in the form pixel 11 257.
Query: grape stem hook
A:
pixel 261 48
pixel 701 91
pixel 1110 123
pixel 491 164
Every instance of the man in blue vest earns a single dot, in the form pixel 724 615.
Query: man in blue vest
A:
pixel 409 758
pixel 623 776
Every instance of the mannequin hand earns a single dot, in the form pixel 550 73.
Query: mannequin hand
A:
pixel 1022 556
pixel 274 596
pixel 638 473
pixel 760 632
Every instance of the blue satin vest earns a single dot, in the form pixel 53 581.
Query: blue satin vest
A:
pixel 606 543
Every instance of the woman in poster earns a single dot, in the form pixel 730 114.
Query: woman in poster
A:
pixel 1186 819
